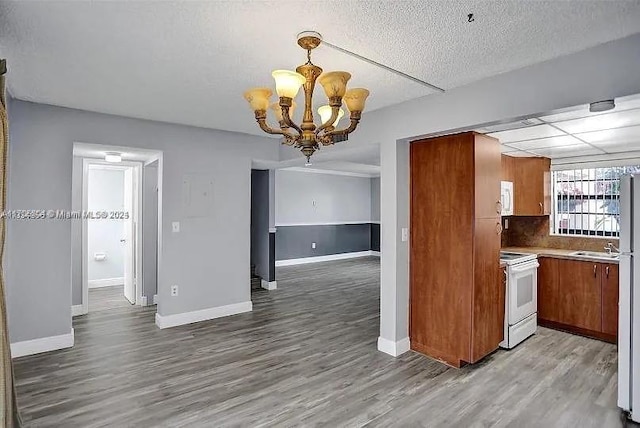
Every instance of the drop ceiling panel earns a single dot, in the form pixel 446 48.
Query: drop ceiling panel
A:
pixel 520 154
pixel 568 151
pixel 506 149
pixel 563 140
pixel 528 133
pixel 608 137
pixel 601 122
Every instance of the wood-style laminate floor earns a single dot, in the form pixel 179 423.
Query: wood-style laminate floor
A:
pixel 106 298
pixel 306 356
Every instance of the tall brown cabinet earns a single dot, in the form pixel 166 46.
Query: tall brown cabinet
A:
pixel 456 292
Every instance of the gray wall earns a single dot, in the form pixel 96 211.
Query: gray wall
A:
pixel 306 197
pixel 208 259
pixel 332 211
pixel 76 232
pixel 105 192
pixel 150 230
pixel 375 199
pixel 260 222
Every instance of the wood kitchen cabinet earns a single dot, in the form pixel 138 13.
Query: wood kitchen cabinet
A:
pixel 610 289
pixel 548 294
pixel 456 294
pixel 579 296
pixel 531 179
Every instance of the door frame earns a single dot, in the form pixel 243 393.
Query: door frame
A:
pixel 137 219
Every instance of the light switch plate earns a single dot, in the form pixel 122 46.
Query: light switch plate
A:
pixel 313 245
pixel 175 227
pixel 405 234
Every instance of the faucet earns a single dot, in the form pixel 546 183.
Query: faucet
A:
pixel 610 248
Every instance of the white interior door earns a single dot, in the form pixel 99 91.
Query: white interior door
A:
pixel 128 238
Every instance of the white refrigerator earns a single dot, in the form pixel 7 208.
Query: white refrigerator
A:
pixel 629 298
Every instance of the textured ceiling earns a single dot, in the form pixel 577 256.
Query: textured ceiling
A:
pixel 189 62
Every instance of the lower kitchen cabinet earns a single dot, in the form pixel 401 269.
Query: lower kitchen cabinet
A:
pixel 610 288
pixel 579 296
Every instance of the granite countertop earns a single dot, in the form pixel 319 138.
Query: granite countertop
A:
pixel 557 254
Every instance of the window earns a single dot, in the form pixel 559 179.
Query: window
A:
pixel 587 201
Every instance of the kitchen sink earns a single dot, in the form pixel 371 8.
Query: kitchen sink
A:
pixel 596 255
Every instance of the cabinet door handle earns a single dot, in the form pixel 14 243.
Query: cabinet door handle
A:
pixel 499 207
pixel 498 228
pixel 541 207
pixel 607 271
pixel 595 270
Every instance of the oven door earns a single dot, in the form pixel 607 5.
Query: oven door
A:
pixel 523 290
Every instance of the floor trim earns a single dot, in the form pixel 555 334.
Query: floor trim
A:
pixel 77 310
pixel 107 282
pixel 269 285
pixel 44 344
pixel 174 320
pixel 392 348
pixel 155 299
pixel 327 258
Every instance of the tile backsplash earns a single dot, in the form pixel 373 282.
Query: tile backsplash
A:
pixel 534 232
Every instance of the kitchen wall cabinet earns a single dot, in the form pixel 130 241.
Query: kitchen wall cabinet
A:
pixel 531 179
pixel 579 296
pixel 456 296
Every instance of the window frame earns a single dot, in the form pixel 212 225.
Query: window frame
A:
pixel 557 199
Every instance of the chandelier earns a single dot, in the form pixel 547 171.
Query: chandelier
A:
pixel 308 136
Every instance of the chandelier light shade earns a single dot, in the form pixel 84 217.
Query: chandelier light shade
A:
pixel 308 136
pixel 325 114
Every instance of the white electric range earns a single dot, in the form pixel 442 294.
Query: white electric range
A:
pixel 521 299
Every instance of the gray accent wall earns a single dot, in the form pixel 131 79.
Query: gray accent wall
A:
pixel 208 258
pixel 334 212
pixel 260 222
pixel 294 242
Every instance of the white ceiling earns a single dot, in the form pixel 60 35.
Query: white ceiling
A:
pixel 573 133
pixel 190 62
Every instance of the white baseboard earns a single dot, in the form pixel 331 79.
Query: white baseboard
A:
pixel 375 253
pixel 44 344
pixel 393 348
pixel 269 285
pixel 107 282
pixel 327 258
pixel 155 299
pixel 166 321
pixel 77 310
pixel 143 301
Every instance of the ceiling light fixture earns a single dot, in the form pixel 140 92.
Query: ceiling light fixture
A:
pixel 599 106
pixel 308 137
pixel 113 157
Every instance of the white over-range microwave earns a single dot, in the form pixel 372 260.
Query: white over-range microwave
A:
pixel 506 197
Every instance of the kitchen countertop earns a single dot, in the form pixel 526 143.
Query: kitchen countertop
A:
pixel 557 254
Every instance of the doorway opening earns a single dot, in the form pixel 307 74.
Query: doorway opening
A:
pixel 116 237
pixel 111 202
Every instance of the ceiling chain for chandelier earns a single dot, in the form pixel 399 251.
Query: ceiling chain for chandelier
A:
pixel 308 136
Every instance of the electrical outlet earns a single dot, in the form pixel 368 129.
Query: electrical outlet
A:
pixel 175 227
pixel 313 245
pixel 405 234
pixel 174 290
